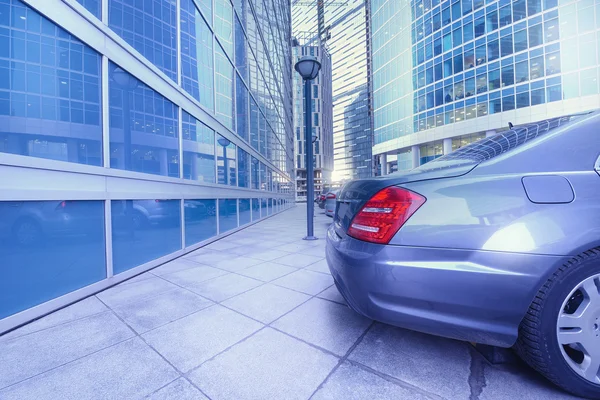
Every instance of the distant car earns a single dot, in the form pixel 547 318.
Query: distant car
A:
pixel 496 243
pixel 321 201
pixel 330 200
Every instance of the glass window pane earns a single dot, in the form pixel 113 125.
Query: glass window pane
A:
pixel 224 88
pixel 568 21
pixel 243 168
pixel 143 127
pixel 491 23
pixel 570 85
pixel 144 230
pixel 506 45
pixel 224 24
pixel 519 10
pixel 508 75
pixel 196 55
pixel 480 54
pixel 538 96
pixel 553 63
pixel 521 40
pixel 241 49
pixel 93 6
pixel 245 211
pixel 255 178
pixel 458 63
pixel 523 100
pixel 534 7
pixel 467 6
pixel 508 103
pixel 589 82
pixel 495 106
pixel 481 83
pixel 536 67
pixel 255 209
pixel 479 27
pixel 468 32
pixel 469 59
pixel 505 16
pixel 551 30
pixel 227 215
pixel 585 19
pixel 241 108
pixel 553 93
pixel 198 150
pixel 57 105
pixel 493 50
pixel 522 71
pixel 535 35
pixel 40 241
pixel 494 79
pixel 587 50
pixel 457 37
pixel 447 42
pixel 226 161
pixel 469 87
pixel 150 30
pixel 200 220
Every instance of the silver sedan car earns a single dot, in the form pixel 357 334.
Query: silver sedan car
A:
pixel 496 243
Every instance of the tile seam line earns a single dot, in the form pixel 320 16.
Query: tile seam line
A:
pixel 269 325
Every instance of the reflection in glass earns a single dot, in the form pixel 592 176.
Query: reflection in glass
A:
pixel 226 164
pixel 245 211
pixel 144 230
pixel 241 108
pixel 224 24
pixel 224 88
pixel 48 249
pixel 93 6
pixel 198 150
pixel 143 127
pixel 255 209
pixel 254 129
pixel 137 22
pixel 196 55
pixel 49 90
pixel 227 215
pixel 255 174
pixel 200 220
pixel 243 162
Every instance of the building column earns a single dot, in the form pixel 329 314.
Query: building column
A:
pixel 447 146
pixel 490 133
pixel 383 161
pixel 416 156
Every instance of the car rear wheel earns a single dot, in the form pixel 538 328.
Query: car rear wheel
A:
pixel 560 335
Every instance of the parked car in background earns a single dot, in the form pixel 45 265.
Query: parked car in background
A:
pixel 496 243
pixel 321 200
pixel 330 200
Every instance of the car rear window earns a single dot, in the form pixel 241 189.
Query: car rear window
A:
pixel 501 143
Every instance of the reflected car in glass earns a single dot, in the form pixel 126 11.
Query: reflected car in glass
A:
pixel 31 223
pixel 496 243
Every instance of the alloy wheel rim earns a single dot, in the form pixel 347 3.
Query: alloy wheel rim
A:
pixel 578 329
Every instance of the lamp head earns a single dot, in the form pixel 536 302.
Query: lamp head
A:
pixel 308 67
pixel 223 141
pixel 124 79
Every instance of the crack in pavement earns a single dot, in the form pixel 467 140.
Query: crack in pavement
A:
pixel 476 375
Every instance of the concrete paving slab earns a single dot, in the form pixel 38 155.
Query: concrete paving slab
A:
pixel 192 278
pixel 349 382
pixel 269 365
pixel 267 271
pixel 308 282
pixel 266 303
pixel 26 356
pixel 180 389
pixel 189 341
pixel 225 286
pixel 437 365
pixel 179 264
pixel 323 323
pixel 82 309
pixel 234 264
pixel 319 266
pixel 270 255
pixel 332 294
pixel 169 306
pixel 297 260
pixel 128 370
pixel 132 292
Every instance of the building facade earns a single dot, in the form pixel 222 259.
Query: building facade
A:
pixel 448 73
pixel 322 122
pixel 343 26
pixel 132 133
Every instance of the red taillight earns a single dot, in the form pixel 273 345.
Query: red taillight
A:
pixel 384 214
pixel 331 196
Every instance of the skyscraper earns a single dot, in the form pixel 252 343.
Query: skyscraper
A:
pixel 448 73
pixel 132 133
pixel 343 26
pixel 322 122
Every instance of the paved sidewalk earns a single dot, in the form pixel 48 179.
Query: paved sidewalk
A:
pixel 252 316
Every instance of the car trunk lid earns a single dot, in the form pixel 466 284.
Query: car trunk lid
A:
pixel 355 194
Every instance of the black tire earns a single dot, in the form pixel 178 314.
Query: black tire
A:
pixel 538 343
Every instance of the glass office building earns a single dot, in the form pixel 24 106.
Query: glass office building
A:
pixel 132 132
pixel 449 73
pixel 343 26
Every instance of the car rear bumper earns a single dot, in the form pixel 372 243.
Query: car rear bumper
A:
pixel 477 296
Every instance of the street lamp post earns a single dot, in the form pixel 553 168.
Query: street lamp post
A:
pixel 308 67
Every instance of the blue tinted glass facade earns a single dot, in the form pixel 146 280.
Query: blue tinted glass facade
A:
pixel 149 27
pixel 439 64
pixel 143 127
pixel 127 172
pixel 49 90
pixel 93 6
